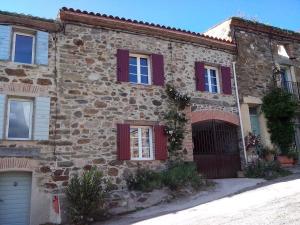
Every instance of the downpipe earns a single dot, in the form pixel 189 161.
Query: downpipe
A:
pixel 239 109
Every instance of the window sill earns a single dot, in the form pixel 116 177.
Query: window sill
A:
pixel 24 65
pixel 10 141
pixel 218 94
pixel 145 86
pixel 143 160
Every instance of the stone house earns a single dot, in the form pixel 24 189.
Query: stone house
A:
pixel 260 49
pixel 89 90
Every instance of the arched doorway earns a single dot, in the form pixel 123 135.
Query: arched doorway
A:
pixel 216 150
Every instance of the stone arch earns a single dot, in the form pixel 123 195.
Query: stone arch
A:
pixel 205 115
pixel 17 164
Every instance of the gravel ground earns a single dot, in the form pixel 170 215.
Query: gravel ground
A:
pixel 272 203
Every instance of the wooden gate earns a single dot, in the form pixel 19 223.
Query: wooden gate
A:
pixel 216 151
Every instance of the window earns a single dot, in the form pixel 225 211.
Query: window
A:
pixel 23 48
pixel 211 80
pixel 286 79
pixel 254 120
pixel 141 143
pixel 139 69
pixel 19 119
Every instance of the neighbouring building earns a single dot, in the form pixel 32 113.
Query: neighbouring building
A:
pixel 260 49
pixel 89 90
pixel 27 117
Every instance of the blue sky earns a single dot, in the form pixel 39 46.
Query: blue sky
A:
pixel 194 15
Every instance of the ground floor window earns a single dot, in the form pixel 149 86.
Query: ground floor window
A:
pixel 141 143
pixel 254 120
pixel 19 119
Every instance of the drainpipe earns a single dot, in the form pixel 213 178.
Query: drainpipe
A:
pixel 239 109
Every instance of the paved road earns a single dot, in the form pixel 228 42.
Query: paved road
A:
pixel 271 204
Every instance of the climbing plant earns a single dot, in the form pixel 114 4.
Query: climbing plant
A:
pixel 175 120
pixel 279 108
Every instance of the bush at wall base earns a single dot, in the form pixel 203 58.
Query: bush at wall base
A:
pixel 85 196
pixel 266 170
pixel 178 175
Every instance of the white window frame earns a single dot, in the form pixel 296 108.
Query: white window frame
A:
pixel 30 118
pixel 140 143
pixel 138 59
pixel 209 68
pixel 14 47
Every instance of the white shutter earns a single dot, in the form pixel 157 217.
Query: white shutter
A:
pixel 5 42
pixel 41 118
pixel 2 115
pixel 41 53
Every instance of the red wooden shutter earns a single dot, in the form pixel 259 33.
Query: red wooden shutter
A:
pixel 158 69
pixel 226 80
pixel 123 65
pixel 161 151
pixel 200 76
pixel 123 141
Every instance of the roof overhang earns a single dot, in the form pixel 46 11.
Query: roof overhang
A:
pixel 72 16
pixel 28 21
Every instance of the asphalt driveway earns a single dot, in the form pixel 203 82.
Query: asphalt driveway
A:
pixel 275 203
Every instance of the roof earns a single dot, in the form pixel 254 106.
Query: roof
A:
pixel 115 22
pixel 261 27
pixel 28 21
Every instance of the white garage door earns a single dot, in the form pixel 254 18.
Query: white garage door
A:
pixel 15 191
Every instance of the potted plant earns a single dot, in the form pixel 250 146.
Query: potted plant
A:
pixel 293 154
pixel 288 158
pixel 285 160
pixel 268 153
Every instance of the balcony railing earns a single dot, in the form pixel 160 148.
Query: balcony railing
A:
pixel 291 87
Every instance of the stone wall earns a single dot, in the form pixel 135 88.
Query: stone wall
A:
pixel 92 102
pixel 257 53
pixel 87 102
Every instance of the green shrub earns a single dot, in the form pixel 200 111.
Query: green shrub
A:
pixel 177 176
pixel 182 174
pixel 85 195
pixel 266 170
pixel 280 108
pixel 144 180
pixel 264 151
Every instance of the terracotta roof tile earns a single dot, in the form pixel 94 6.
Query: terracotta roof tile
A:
pixel 146 23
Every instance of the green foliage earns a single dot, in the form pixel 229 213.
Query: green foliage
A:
pixel 266 170
pixel 179 100
pixel 182 174
pixel 85 195
pixel 175 119
pixel 144 180
pixel 264 151
pixel 279 108
pixel 177 176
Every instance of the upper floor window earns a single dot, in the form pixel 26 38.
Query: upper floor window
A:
pixel 139 69
pixel 24 45
pixel 286 79
pixel 211 80
pixel 23 48
pixel 19 119
pixel 141 143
